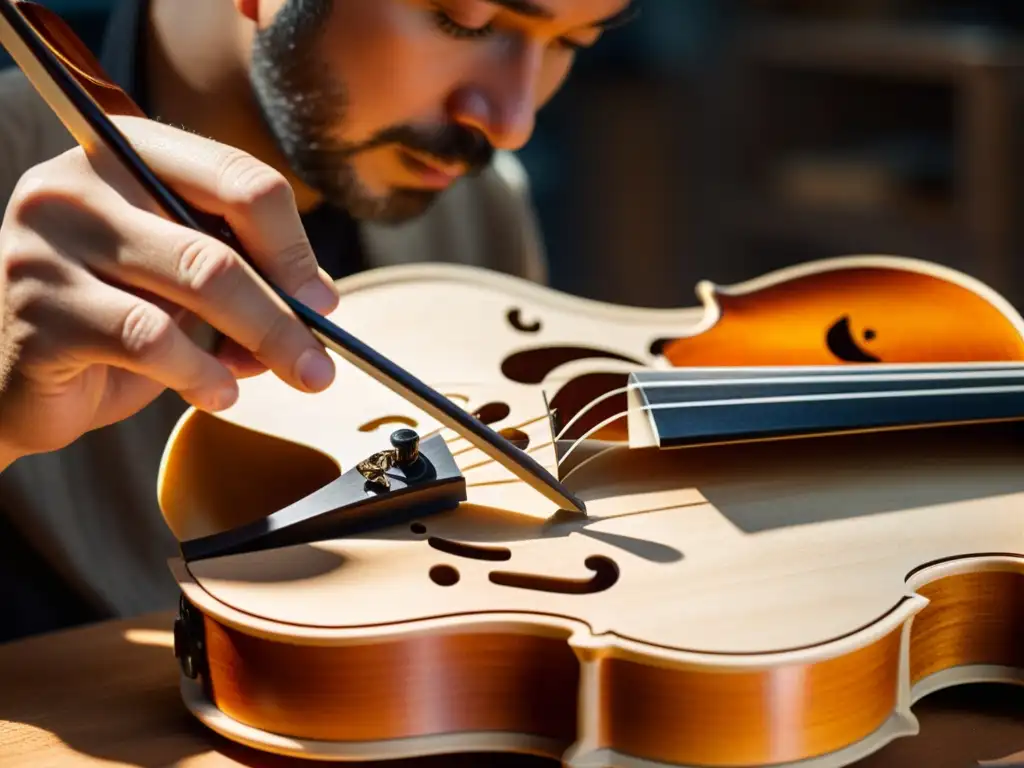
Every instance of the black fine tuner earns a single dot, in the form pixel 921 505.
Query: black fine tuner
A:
pixel 406 443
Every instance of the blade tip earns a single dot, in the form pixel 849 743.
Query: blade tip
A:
pixel 577 505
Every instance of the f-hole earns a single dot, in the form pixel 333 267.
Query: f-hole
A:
pixel 383 421
pixel 492 413
pixel 606 574
pixel 517 437
pixel 469 551
pixel 515 319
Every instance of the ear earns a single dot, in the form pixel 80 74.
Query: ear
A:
pixel 248 8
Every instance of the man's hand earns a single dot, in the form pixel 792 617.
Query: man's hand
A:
pixel 97 289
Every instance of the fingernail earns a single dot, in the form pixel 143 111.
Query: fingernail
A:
pixel 316 371
pixel 316 295
pixel 222 398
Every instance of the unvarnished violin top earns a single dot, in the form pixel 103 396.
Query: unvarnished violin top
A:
pixel 758 548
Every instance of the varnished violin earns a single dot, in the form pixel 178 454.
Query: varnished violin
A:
pixel 777 562
pixel 805 511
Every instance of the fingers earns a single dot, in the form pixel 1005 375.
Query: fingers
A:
pixel 203 275
pixel 257 202
pixel 109 326
pixel 152 255
pixel 239 360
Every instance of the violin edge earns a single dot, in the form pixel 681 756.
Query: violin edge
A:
pixel 871 261
pixel 705 290
pixel 627 706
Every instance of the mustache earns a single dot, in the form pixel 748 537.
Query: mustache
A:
pixel 450 144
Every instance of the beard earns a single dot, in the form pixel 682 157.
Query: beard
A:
pixel 303 106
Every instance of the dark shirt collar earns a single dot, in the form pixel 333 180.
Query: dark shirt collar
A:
pixel 334 235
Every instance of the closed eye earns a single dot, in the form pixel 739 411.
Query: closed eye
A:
pixel 452 28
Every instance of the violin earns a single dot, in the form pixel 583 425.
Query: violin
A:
pixel 802 515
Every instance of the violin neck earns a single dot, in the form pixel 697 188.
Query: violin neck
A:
pixel 706 406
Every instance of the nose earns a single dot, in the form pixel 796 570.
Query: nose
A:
pixel 501 99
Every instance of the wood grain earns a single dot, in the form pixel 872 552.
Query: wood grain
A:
pixel 972 618
pixel 422 686
pixel 108 695
pixel 700 717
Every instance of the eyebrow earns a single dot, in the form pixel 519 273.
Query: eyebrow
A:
pixel 537 11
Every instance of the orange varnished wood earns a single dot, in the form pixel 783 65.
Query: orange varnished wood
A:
pixel 107 695
pixel 262 474
pixel 440 684
pixel 897 317
pixel 74 55
pixel 972 618
pixel 703 717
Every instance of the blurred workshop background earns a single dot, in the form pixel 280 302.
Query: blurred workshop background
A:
pixel 720 139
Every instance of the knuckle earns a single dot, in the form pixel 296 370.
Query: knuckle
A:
pixel 297 262
pixel 31 302
pixel 146 332
pixel 15 253
pixel 35 185
pixel 25 291
pixel 253 186
pixel 22 262
pixel 57 180
pixel 205 267
pixel 270 345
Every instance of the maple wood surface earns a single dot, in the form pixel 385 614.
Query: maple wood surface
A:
pixel 108 695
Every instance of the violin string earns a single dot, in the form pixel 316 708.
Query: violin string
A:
pixel 522 426
pixel 456 437
pixel 588 460
pixel 591 405
pixel 583 438
pixel 789 379
pixel 533 448
pixel 941 374
pixel 801 379
pixel 831 396
pixel 834 373
pixel 969 371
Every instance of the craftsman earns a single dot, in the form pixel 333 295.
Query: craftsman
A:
pixel 334 136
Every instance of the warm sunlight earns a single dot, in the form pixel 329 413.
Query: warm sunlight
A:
pixel 150 637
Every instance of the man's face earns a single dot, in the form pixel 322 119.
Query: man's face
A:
pixel 379 105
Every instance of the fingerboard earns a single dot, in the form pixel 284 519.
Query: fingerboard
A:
pixel 700 406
